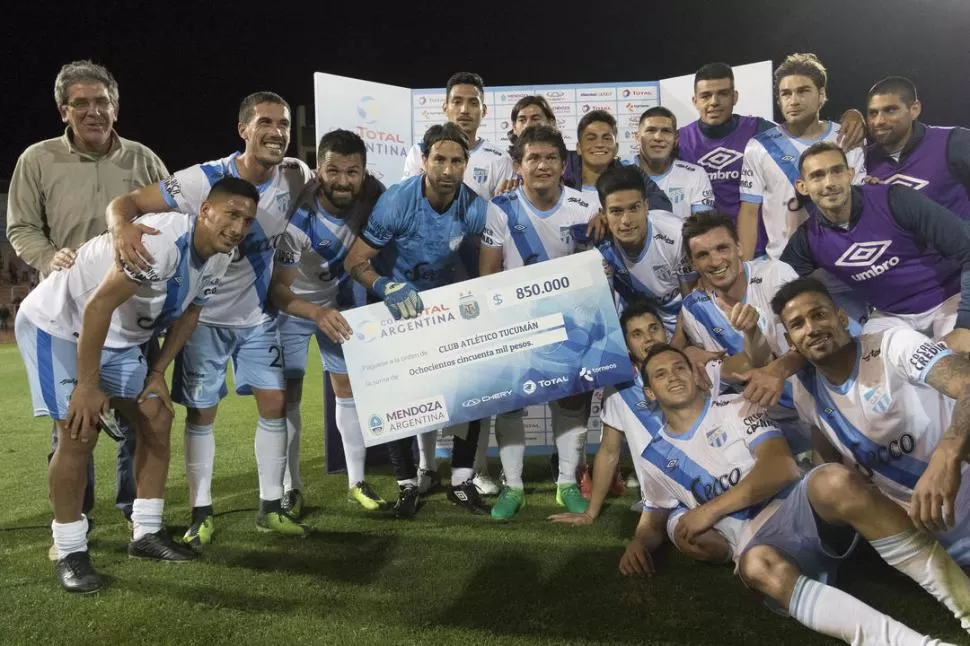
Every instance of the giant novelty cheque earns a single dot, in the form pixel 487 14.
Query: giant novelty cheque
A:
pixel 486 346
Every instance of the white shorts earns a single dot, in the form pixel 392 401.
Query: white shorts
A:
pixel 51 364
pixel 935 323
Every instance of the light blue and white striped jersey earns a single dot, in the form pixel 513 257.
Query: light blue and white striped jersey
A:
pixel 884 420
pixel 243 295
pixel 657 272
pixel 316 242
pixel 528 235
pixel 488 166
pixel 687 186
pixel 176 279
pixel 711 458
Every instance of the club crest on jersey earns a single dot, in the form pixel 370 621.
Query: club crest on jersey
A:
pixel 566 235
pixel 282 202
pixel 468 306
pixel 663 273
pixel 716 437
pixel 480 174
pixel 676 195
pixel 878 400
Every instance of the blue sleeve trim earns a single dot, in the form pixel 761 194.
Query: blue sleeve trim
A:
pixel 753 199
pixel 926 371
pixel 172 204
pixel 769 435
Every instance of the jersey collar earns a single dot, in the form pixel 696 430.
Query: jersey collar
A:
pixel 693 429
pixel 850 382
pixel 919 131
pixel 234 171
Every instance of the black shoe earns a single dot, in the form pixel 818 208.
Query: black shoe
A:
pixel 407 502
pixel 554 467
pixel 76 574
pixel 466 495
pixel 159 547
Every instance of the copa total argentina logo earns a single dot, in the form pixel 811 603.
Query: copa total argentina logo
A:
pixel 368 109
pixel 367 331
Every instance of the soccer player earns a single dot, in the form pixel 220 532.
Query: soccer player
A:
pixel 898 249
pixel 534 224
pixel 931 159
pixel 84 355
pixel 716 141
pixel 488 165
pixel 628 414
pixel 413 236
pixel 328 217
pixel 685 184
pixel 644 249
pixel 733 315
pixel 771 167
pixel 53 207
pixel 596 152
pixel 880 401
pixel 236 323
pixel 730 467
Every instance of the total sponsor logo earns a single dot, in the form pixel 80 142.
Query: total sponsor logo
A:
pixel 589 374
pixel 645 92
pixel 430 100
pixel 589 107
pixel 529 386
pixel 867 254
pixel 430 411
pixel 484 399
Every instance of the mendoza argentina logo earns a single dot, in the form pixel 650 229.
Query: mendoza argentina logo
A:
pixel 430 411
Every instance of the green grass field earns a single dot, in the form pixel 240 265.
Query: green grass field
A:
pixel 443 578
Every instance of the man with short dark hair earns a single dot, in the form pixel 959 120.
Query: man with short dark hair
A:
pixel 718 138
pixel 685 184
pixel 324 223
pixel 411 244
pixel 899 250
pixel 931 159
pixel 91 349
pixel 536 223
pixel 238 324
pixel 58 193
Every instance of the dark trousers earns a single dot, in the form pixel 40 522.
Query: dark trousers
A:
pixel 124 472
pixel 462 454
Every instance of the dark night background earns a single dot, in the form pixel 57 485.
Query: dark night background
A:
pixel 183 69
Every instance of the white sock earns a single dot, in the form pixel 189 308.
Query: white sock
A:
pixel 353 439
pixel 270 446
pixel 921 557
pixel 200 456
pixel 146 516
pixel 427 445
pixel 481 451
pixel 830 611
pixel 291 476
pixel 70 537
pixel 410 482
pixel 567 427
pixel 461 476
pixel 510 434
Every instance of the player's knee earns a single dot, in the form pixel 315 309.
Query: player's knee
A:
pixel 838 491
pixel 200 416
pixel 271 404
pixel 341 385
pixel 74 447
pixel 764 568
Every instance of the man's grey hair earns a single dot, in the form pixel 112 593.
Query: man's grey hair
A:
pixel 80 72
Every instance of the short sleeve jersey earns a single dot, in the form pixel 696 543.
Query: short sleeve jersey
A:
pixel 175 279
pixel 243 297
pixel 528 235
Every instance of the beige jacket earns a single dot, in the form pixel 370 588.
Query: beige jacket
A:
pixel 58 195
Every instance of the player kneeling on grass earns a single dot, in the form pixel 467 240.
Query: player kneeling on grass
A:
pixel 80 333
pixel 788 536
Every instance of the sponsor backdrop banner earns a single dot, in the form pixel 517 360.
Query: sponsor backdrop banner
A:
pixel 391 118
pixel 486 346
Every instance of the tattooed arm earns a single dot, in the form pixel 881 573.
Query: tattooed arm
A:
pixel 358 263
pixel 935 494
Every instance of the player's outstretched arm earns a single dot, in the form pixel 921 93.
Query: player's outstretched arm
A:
pixel 88 401
pixel 767 385
pixel 748 215
pixel 604 465
pixel 934 496
pixel 636 560
pixel 852 129
pixel 773 470
pixel 127 236
pixel 330 321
